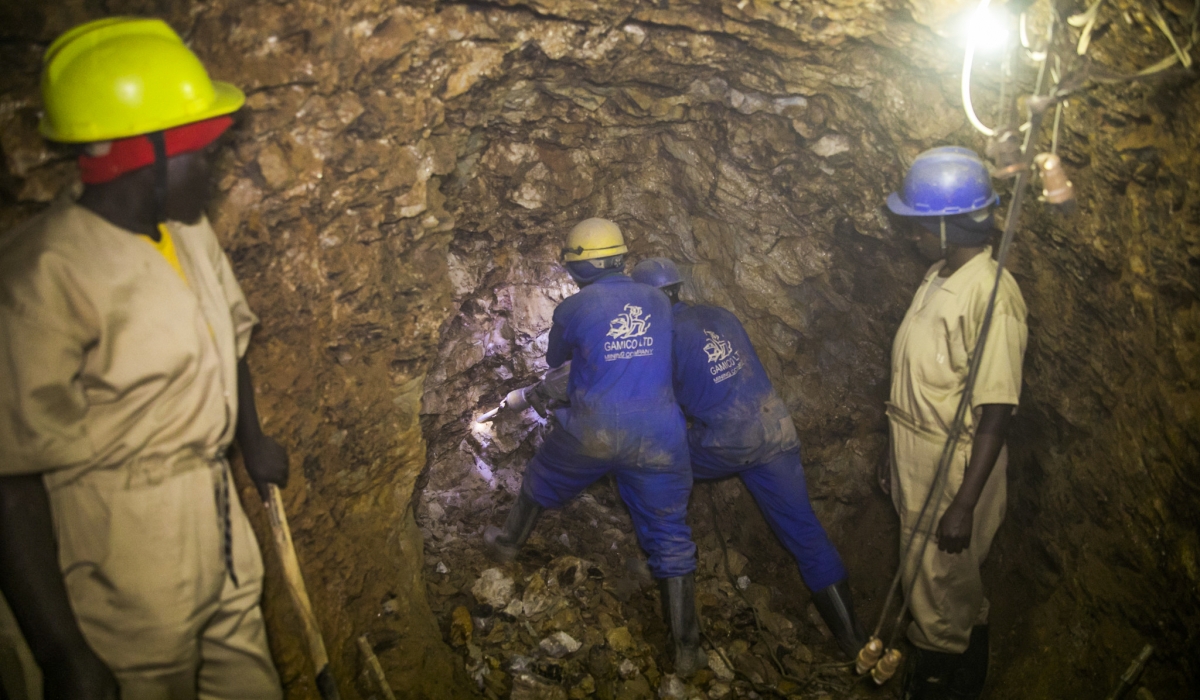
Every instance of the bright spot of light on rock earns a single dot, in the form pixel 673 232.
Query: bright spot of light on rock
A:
pixel 483 431
pixel 485 470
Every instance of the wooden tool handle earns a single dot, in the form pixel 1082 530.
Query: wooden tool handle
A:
pixel 364 645
pixel 299 594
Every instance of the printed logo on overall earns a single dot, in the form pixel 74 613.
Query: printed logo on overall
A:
pixel 724 362
pixel 628 332
pixel 717 348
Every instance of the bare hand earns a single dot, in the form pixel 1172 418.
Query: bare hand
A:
pixel 83 677
pixel 954 530
pixel 266 462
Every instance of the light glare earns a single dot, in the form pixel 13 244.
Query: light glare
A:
pixel 985 29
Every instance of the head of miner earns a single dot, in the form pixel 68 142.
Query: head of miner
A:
pixel 144 114
pixel 948 194
pixel 594 248
pixel 659 273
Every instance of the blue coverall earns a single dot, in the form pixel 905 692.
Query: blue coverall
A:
pixel 740 426
pixel 622 417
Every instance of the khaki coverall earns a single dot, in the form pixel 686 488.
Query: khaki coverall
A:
pixel 120 387
pixel 930 361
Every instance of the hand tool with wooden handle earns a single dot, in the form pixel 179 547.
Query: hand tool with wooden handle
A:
pixel 364 645
pixel 295 585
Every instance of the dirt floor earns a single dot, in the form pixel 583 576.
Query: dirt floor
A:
pixel 583 575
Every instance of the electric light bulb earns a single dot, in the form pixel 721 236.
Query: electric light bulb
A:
pixel 986 29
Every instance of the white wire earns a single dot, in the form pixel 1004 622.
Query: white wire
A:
pixel 1036 56
pixel 1040 58
pixel 968 58
pixel 1058 110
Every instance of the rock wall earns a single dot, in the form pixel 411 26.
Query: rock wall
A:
pixel 395 196
pixel 1105 491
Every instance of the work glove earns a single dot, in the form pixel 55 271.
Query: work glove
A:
pixel 267 463
pixel 539 399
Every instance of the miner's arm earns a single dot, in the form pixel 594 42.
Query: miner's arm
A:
pixel 265 459
pixel 33 585
pixel 558 350
pixel 954 530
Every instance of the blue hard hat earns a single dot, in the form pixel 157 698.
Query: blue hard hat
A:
pixel 656 272
pixel 943 181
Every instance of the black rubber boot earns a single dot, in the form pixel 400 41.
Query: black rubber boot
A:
pixel 837 610
pixel 928 674
pixel 680 606
pixel 502 546
pixel 966 682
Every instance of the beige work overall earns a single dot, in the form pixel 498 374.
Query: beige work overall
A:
pixel 124 396
pixel 930 361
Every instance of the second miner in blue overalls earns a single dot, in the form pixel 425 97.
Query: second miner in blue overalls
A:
pixel 739 425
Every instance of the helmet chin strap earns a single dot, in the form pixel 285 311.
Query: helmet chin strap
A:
pixel 942 228
pixel 159 142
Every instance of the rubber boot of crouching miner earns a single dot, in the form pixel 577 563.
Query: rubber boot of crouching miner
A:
pixel 679 607
pixel 503 545
pixel 837 610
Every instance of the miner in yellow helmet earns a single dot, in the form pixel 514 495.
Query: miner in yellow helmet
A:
pixel 124 551
pixel 622 420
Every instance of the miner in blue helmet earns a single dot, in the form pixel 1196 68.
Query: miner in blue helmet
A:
pixel 739 426
pixel 947 192
pixel 622 420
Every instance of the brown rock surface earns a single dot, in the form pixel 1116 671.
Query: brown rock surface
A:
pixel 393 201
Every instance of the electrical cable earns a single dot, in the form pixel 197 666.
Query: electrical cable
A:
pixel 1087 21
pixel 1161 23
pixel 1058 110
pixel 1041 58
pixel 712 509
pixel 1037 90
pixel 813 679
pixel 968 60
pixel 1036 56
pixel 1002 112
pixel 1056 76
pixel 1179 55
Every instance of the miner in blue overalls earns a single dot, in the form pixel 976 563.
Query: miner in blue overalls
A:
pixel 622 419
pixel 738 425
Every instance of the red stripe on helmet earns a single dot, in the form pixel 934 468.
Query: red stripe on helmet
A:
pixel 136 152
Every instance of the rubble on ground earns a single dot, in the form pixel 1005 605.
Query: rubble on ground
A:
pixel 578 615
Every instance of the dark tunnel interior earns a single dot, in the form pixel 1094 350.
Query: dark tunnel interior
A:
pixel 393 199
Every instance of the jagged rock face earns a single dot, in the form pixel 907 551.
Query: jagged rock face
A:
pixel 394 202
pixel 1104 496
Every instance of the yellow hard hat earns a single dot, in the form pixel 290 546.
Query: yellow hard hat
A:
pixel 123 76
pixel 594 238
